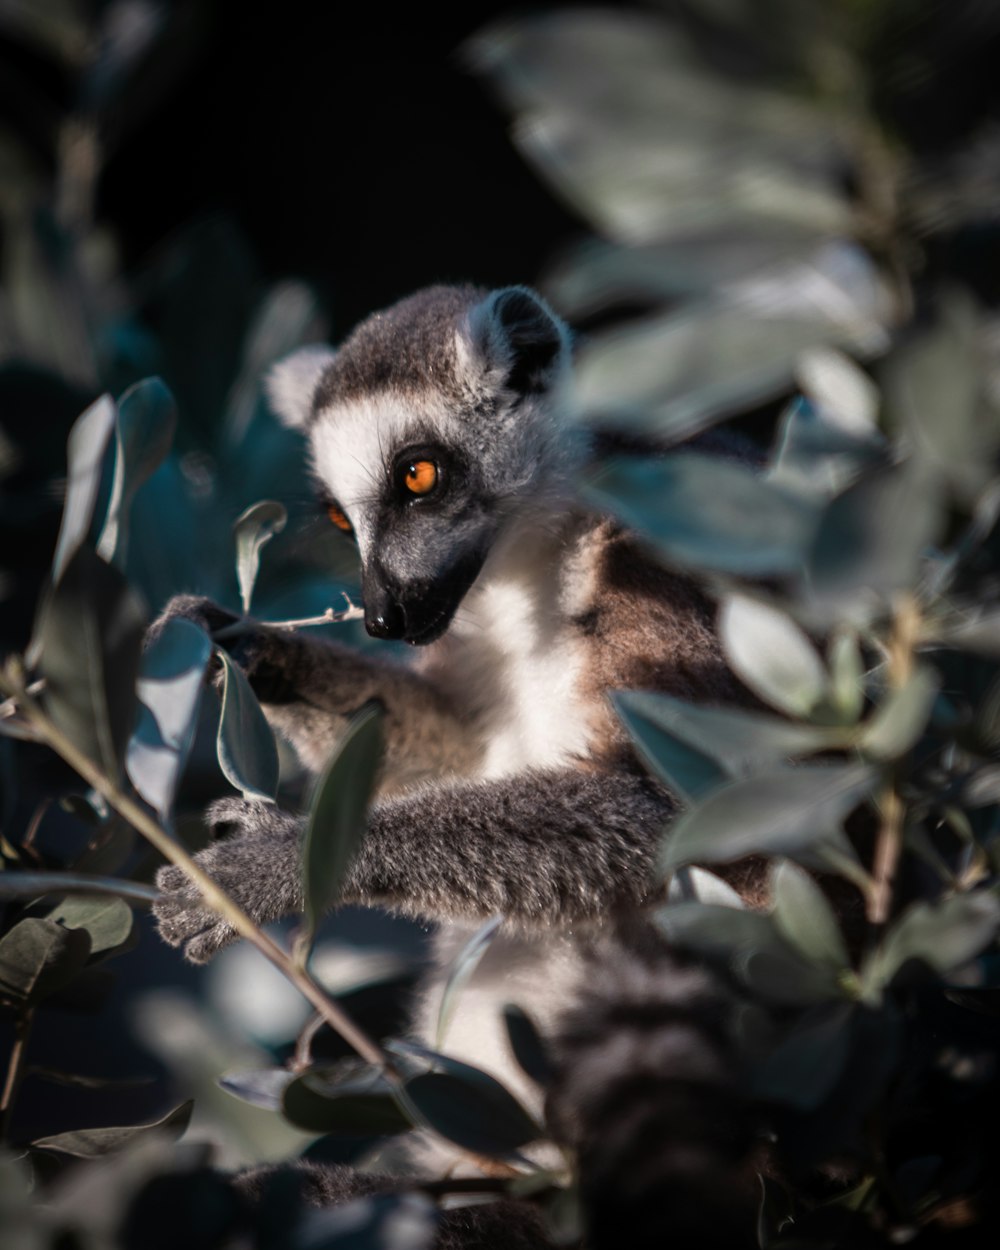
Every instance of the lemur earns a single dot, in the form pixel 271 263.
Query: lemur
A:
pixel 442 439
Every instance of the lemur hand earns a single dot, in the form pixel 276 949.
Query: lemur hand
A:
pixel 263 654
pixel 257 866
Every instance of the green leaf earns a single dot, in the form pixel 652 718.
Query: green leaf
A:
pixel 91 633
pixel 788 811
pixel 771 655
pixel 526 1042
pixel 805 1066
pixel 38 957
pixel 944 936
pixel 362 1103
pixel 337 822
pixel 784 978
pixel 847 676
pixel 32 884
pixel 463 967
pixel 253 528
pixel 899 721
pixel 724 742
pixel 707 513
pixel 475 1112
pixel 90 1143
pixel 714 930
pixel 107 920
pixel 144 431
pixel 88 441
pixel 245 744
pixel 805 918
pixel 170 683
pixel 686 770
pixel 261 1087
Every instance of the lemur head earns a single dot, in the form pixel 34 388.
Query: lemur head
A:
pixel 433 424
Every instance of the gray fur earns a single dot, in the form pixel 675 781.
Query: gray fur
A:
pixel 508 786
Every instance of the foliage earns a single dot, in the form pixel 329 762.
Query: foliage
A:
pixel 747 192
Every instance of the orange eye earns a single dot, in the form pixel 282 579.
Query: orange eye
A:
pixel 421 477
pixel 339 518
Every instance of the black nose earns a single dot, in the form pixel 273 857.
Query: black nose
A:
pixel 388 622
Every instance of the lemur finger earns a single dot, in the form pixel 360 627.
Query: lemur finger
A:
pixel 208 944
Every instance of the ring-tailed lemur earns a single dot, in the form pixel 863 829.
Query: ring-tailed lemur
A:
pixel 440 437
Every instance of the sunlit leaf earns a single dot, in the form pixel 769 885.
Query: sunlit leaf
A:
pixel 463 968
pixel 38 957
pixel 253 528
pixel 899 721
pixel 144 431
pixel 771 655
pixel 689 884
pixel 805 918
pixel 790 811
pixel 245 744
pixel 337 821
pixel 91 632
pixel 89 1143
pixel 707 513
pixel 88 441
pixel 171 680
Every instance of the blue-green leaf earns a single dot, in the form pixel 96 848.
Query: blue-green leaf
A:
pixel 463 967
pixel 805 918
pixel 771 655
pixel 245 744
pixel 253 528
pixel 144 431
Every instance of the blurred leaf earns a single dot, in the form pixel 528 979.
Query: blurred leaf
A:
pixel 77 1080
pixel 463 967
pixel 405 1221
pixel 170 683
pixel 807 1063
pixel 85 448
pixel 805 918
pixel 898 722
pixel 714 929
pixel 691 884
pixel 684 769
pixel 870 540
pixel 771 655
pixel 976 630
pixel 707 513
pixel 144 431
pixel 789 811
pixel 934 390
pixel 786 979
pixel 944 936
pixel 108 921
pixel 39 957
pixel 245 744
pixel 527 1045
pixel 337 816
pixel 726 741
pixel 32 884
pixel 90 1143
pixel 91 632
pixel 471 1109
pixel 261 1087
pixel 814 456
pixel 253 528
pixel 847 676
pixel 323 1100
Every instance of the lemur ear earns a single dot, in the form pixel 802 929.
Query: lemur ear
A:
pixel 290 385
pixel 521 337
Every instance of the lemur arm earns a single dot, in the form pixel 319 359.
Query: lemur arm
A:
pixel 552 848
pixel 308 686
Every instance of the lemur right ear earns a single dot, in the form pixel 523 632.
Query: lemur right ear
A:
pixel 290 385
pixel 521 336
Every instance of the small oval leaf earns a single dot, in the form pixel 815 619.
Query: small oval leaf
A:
pixel 253 528
pixel 336 822
pixel 805 918
pixel 245 744
pixel 771 655
pixel 38 957
pixel 477 1113
pixel 898 723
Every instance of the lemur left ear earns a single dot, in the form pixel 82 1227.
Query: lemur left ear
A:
pixel 521 337
pixel 291 384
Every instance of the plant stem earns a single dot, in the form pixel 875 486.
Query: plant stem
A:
pixel 15 1068
pixel 901 647
pixel 214 897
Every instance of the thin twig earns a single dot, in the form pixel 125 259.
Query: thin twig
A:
pixel 15 1068
pixel 900 650
pixel 302 1058
pixel 213 896
pixel 330 617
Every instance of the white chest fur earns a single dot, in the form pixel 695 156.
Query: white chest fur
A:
pixel 512 658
